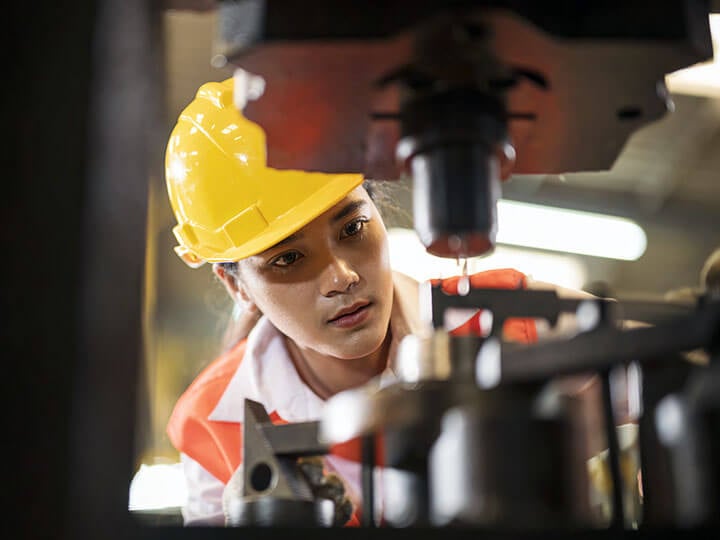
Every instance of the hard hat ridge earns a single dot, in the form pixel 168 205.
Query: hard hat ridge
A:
pixel 228 204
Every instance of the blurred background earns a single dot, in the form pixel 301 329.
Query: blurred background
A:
pixel 642 229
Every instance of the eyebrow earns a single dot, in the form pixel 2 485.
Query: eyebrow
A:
pixel 342 213
pixel 347 210
pixel 287 240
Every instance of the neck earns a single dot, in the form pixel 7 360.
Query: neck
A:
pixel 328 375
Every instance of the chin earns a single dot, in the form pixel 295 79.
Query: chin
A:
pixel 360 345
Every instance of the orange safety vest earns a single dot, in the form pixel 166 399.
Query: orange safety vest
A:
pixel 217 446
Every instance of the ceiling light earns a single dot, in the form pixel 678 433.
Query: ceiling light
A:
pixel 408 255
pixel 569 231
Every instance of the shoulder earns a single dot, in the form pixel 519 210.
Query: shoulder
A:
pixel 207 388
pixel 189 428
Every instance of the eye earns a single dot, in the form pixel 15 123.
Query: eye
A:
pixel 353 228
pixel 286 259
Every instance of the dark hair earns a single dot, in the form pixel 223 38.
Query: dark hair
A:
pixel 230 268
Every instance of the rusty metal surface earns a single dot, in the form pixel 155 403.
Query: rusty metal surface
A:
pixel 320 94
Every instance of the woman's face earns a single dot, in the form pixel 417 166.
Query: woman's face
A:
pixel 327 287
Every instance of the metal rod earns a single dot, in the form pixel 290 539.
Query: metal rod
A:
pixel 618 514
pixel 601 349
pixel 368 487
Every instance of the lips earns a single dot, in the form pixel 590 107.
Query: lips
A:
pixel 351 315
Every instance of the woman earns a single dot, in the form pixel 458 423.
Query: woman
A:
pixel 306 254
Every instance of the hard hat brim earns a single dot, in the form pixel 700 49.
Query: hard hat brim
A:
pixel 333 190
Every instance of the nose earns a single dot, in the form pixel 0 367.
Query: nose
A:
pixel 338 277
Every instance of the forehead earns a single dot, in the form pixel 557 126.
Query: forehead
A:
pixel 356 199
pixel 357 194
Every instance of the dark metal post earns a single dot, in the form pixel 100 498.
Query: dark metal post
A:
pixel 618 514
pixel 368 481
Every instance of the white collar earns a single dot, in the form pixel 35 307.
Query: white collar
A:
pixel 267 375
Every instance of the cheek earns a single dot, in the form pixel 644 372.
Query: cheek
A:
pixel 377 263
pixel 282 302
pixel 290 307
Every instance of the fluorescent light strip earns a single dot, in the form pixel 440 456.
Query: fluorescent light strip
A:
pixel 569 231
pixel 408 255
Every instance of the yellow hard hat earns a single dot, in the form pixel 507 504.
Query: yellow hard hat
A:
pixel 228 203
